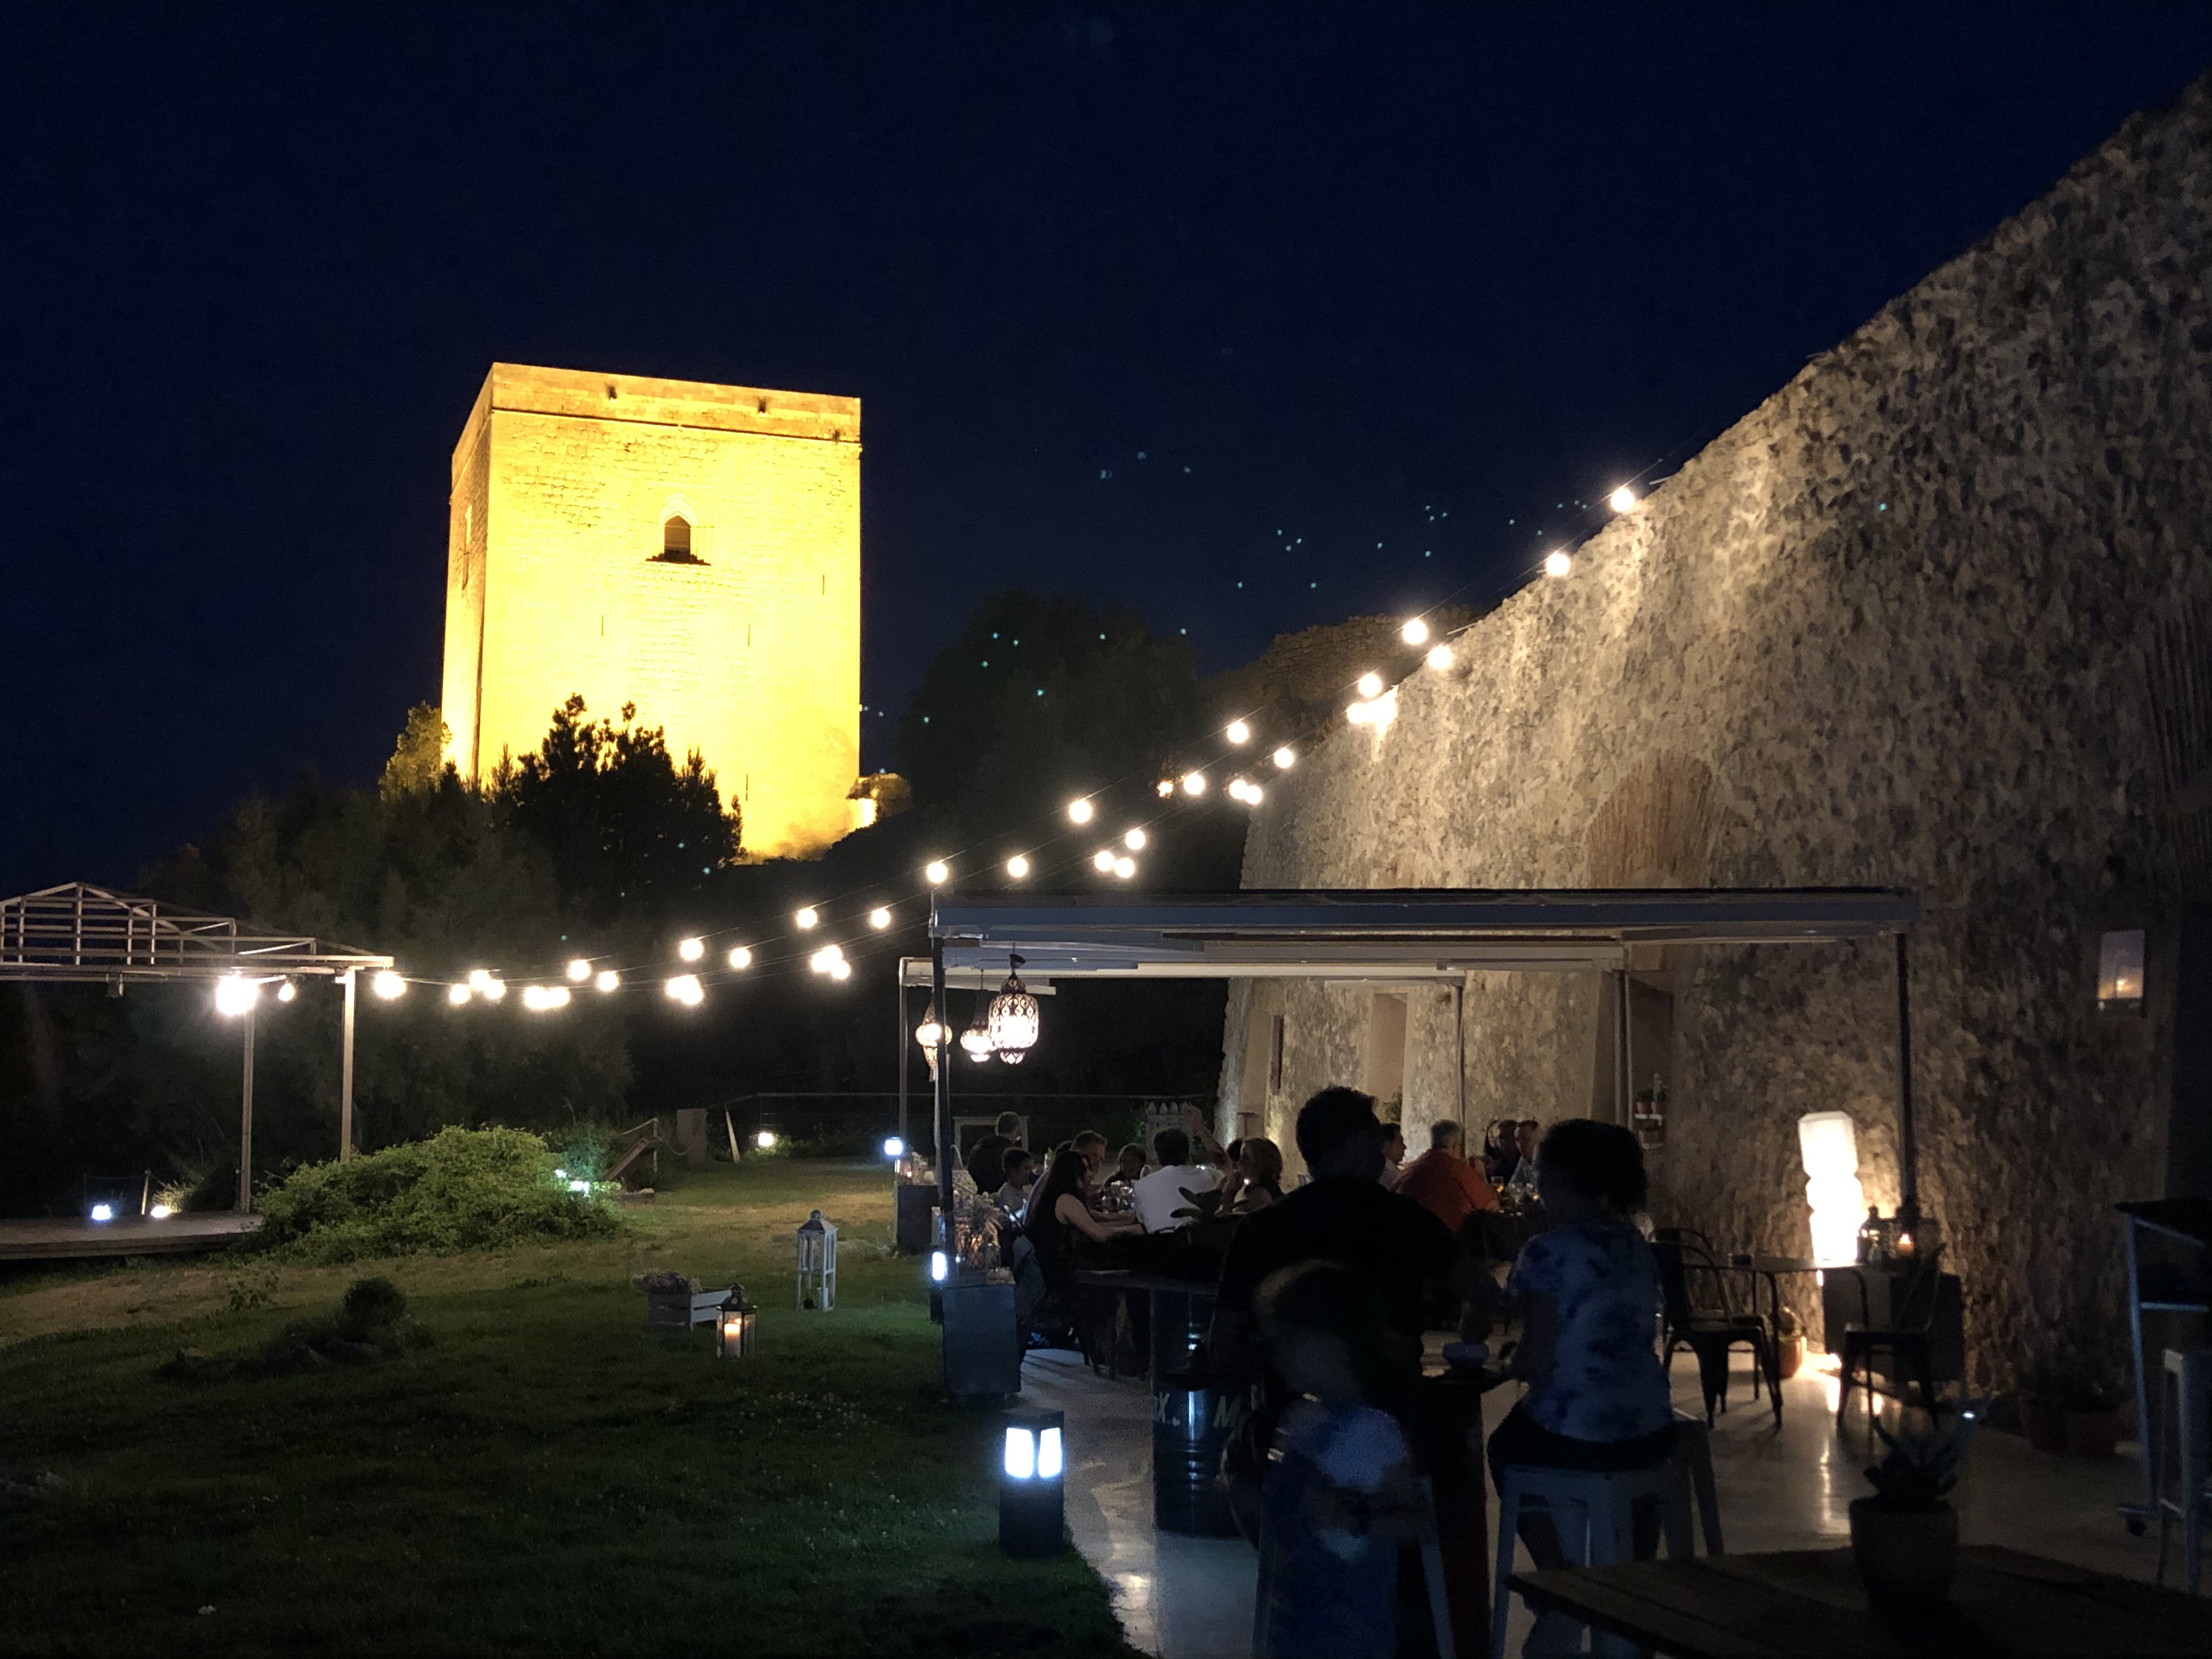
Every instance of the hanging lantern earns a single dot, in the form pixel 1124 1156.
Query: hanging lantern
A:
pixel 1013 1019
pixel 1032 1484
pixel 976 1041
pixel 818 1263
pixel 733 1325
pixel 930 1034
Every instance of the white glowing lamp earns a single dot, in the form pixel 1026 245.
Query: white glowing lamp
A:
pixel 457 995
pixel 1102 861
pixel 1079 812
pixel 684 988
pixel 1193 783
pixel 1017 867
pixel 103 1212
pixel 1125 866
pixel 1032 1501
pixel 579 970
pixel 287 991
pixel 841 969
pixel 387 984
pixel 692 949
pixel 1285 758
pixel 880 918
pixel 1828 1144
pixel 1164 788
pixel 1238 732
pixel 1439 658
pixel 1013 1024
pixel 806 916
pixel 894 1148
pixel 607 979
pixel 1558 563
pixel 1370 686
pixel 1621 499
pixel 765 1141
pixel 936 872
pixel 234 995
pixel 1415 632
pixel 1134 840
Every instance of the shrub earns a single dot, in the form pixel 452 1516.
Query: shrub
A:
pixel 461 1190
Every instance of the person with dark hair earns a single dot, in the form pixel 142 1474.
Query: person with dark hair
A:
pixel 1157 1196
pixel 1394 1154
pixel 1344 1214
pixel 985 1158
pixel 1339 1494
pixel 1092 1146
pixel 1259 1175
pixel 1444 1183
pixel 1588 1290
pixel 1058 1216
pixel 1021 1173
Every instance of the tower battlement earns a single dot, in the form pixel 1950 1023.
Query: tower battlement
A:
pixel 692 548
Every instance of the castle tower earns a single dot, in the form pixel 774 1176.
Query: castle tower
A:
pixel 694 549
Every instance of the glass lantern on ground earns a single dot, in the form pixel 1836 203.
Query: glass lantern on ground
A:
pixel 733 1325
pixel 1032 1484
pixel 818 1263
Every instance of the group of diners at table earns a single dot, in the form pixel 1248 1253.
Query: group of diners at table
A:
pixel 1323 1296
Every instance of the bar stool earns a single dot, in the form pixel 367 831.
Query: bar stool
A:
pixel 1594 1517
pixel 2184 1443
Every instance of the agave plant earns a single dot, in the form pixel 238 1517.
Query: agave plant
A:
pixel 1918 1470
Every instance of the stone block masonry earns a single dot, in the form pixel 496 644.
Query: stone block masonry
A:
pixel 560 579
pixel 1929 617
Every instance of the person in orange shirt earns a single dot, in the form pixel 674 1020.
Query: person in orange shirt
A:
pixel 1443 1182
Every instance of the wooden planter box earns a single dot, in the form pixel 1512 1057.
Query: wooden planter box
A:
pixel 681 1312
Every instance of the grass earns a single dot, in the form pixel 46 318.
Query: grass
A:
pixel 547 1475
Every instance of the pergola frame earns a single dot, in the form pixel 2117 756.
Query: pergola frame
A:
pixel 80 934
pixel 1370 936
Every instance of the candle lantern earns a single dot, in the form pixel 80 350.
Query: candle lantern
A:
pixel 734 1328
pixel 818 1263
pixel 1032 1487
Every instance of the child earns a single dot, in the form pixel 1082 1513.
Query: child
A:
pixel 1339 1493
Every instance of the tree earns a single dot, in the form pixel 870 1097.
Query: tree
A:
pixel 627 828
pixel 419 760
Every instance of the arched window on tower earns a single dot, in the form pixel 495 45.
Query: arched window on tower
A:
pixel 676 542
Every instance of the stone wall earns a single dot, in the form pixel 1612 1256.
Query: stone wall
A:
pixel 1915 620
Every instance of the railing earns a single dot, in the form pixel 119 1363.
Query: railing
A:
pixel 849 1115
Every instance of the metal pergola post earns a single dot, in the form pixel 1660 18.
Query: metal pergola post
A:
pixel 942 1085
pixel 345 1070
pixel 245 1120
pixel 1908 1145
pixel 899 1049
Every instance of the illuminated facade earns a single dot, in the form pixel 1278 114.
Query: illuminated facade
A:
pixel 694 549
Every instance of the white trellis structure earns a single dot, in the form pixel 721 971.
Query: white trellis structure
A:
pixel 80 934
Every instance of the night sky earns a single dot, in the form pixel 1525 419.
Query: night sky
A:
pixel 1249 318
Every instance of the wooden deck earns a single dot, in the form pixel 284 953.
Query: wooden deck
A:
pixel 73 1238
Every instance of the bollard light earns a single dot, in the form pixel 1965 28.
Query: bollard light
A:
pixel 1032 1484
pixel 734 1328
pixel 894 1148
pixel 939 1265
pixel 818 1263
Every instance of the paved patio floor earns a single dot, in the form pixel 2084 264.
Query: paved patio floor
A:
pixel 1191 1598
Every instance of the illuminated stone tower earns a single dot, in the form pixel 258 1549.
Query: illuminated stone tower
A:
pixel 694 549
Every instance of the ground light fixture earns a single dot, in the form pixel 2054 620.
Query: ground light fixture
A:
pixel 765 1140
pixel 1013 1023
pixel 386 984
pixel 579 970
pixel 234 995
pixel 692 949
pixel 1238 732
pixel 733 1325
pixel 1017 868
pixel 939 1265
pixel 1415 632
pixel 1193 783
pixel 1558 563
pixel 936 872
pixel 818 1264
pixel 1285 758
pixel 607 980
pixel 1079 811
pixel 160 1212
pixel 1621 499
pixel 1032 1484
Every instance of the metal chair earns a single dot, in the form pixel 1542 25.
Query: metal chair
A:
pixel 2184 1447
pixel 1594 1515
pixel 1902 1339
pixel 1711 1330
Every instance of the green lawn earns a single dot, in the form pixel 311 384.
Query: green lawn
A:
pixel 546 1476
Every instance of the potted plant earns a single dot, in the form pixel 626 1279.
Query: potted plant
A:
pixel 1789 1343
pixel 1904 1539
pixel 2092 1420
pixel 2042 1412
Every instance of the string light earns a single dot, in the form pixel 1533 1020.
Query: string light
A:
pixel 579 970
pixel 1102 861
pixel 1246 791
pixel 1415 632
pixel 1125 866
pixel 692 949
pixel 806 916
pixel 841 969
pixel 608 979
pixel 684 988
pixel 543 999
pixel 1164 788
pixel 484 983
pixel 825 960
pixel 936 872
pixel 880 918
pixel 1621 499
pixel 1285 758
pixel 1079 812
pixel 1134 840
pixel 741 955
pixel 1439 658
pixel 1371 685
pixel 287 991
pixel 1238 732
pixel 1017 867
pixel 387 984
pixel 457 995
pixel 1193 783
pixel 234 995
pixel 1557 563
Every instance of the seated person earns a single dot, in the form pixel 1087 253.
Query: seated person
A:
pixel 985 1160
pixel 1394 1154
pixel 1523 1152
pixel 1597 1396
pixel 1443 1182
pixel 1021 1173
pixel 1057 1217
pixel 1258 1178
pixel 1092 1146
pixel 1158 1195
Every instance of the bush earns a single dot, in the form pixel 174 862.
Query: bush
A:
pixel 461 1189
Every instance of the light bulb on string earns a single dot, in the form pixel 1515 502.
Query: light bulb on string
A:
pixel 1415 632
pixel 1102 861
pixel 880 918
pixel 841 970
pixel 1134 840
pixel 1079 811
pixel 1017 868
pixel 1285 758
pixel 1238 732
pixel 1125 866
pixel 607 980
pixel 1557 563
pixel 741 955
pixel 1621 499
pixel 684 988
pixel 936 872
pixel 387 984
pixel 1164 788
pixel 1193 783
pixel 1371 685
pixel 1439 658
pixel 692 949
pixel 457 995
pixel 579 970
pixel 806 916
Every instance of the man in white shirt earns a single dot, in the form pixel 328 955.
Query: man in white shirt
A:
pixel 1158 1195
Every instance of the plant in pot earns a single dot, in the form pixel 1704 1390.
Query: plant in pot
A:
pixel 1789 1343
pixel 1904 1539
pixel 2093 1418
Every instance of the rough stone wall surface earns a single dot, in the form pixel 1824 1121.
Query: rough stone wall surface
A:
pixel 1898 626
pixel 562 485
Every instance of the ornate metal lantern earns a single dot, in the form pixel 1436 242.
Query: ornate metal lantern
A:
pixel 818 1263
pixel 931 1035
pixel 733 1325
pixel 976 1041
pixel 1013 1019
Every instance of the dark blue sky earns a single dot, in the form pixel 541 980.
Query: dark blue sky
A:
pixel 1343 304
